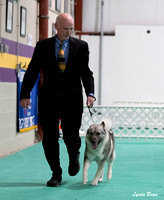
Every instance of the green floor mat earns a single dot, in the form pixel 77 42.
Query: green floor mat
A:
pixel 138 173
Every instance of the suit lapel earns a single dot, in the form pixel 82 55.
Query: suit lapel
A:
pixel 53 56
pixel 68 64
pixel 52 50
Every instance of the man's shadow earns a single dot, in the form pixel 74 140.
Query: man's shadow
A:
pixel 20 184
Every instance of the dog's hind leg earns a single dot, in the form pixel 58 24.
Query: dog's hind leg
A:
pixel 85 170
pixel 99 172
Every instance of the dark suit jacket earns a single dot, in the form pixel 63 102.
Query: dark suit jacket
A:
pixel 68 84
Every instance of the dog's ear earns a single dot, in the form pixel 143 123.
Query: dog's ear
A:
pixel 103 124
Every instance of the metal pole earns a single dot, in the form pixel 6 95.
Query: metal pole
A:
pixel 43 19
pixel 1 7
pixel 18 29
pixel 101 50
pixel 43 33
pixel 73 14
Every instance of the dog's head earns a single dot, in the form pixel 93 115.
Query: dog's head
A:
pixel 95 135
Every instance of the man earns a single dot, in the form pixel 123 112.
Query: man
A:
pixel 61 93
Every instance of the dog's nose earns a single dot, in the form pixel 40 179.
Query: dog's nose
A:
pixel 93 141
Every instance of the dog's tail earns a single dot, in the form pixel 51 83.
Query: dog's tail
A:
pixel 108 123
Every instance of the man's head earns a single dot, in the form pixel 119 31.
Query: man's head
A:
pixel 64 26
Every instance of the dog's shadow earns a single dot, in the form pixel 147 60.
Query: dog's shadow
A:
pixel 81 186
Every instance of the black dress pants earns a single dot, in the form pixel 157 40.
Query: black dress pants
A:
pixel 70 123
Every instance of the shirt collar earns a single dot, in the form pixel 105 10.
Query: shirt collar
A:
pixel 65 42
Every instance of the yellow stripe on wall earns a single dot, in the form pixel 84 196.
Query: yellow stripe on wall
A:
pixel 10 61
pixel 28 129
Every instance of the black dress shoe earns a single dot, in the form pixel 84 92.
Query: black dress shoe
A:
pixel 74 165
pixel 54 182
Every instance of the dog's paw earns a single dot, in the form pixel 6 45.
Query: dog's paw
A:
pixel 100 179
pixel 85 181
pixel 109 177
pixel 94 183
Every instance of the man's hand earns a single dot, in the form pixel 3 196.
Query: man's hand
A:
pixel 90 101
pixel 25 103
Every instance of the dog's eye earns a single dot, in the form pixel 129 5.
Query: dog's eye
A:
pixel 98 133
pixel 91 133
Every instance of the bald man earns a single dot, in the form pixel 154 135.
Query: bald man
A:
pixel 61 94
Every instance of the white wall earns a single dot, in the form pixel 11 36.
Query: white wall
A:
pixel 31 23
pixel 133 63
pixel 10 141
pixel 122 12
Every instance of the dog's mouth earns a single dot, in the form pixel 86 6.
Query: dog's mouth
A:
pixel 95 144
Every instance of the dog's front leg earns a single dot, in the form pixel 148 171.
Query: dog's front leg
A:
pixel 110 164
pixel 99 172
pixel 85 170
pixel 101 177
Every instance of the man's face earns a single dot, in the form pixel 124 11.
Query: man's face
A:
pixel 65 29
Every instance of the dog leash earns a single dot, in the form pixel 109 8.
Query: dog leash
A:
pixel 91 113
